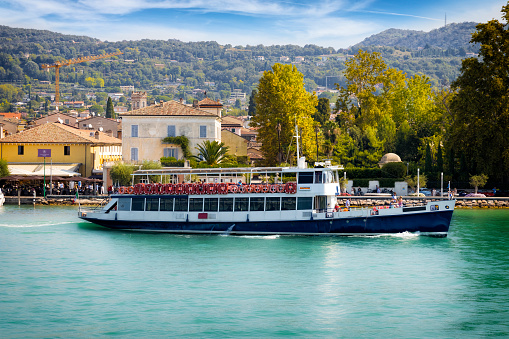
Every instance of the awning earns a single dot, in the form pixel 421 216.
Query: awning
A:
pixel 33 169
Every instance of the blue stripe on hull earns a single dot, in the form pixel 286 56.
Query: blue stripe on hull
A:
pixel 437 222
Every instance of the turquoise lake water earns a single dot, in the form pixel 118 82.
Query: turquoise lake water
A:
pixel 61 277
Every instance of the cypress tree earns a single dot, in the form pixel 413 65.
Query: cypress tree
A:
pixel 428 166
pixel 110 113
pixel 251 111
pixel 440 159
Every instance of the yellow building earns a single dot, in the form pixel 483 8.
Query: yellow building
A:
pixel 70 150
pixel 237 145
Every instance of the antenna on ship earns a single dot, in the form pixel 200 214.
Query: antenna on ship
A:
pixel 297 137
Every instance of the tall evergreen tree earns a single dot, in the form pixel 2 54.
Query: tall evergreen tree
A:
pixel 110 113
pixel 251 111
pixel 428 163
pixel 440 159
pixel 323 110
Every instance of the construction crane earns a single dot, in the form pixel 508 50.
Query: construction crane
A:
pixel 59 64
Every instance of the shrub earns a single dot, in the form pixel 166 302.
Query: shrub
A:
pixel 394 170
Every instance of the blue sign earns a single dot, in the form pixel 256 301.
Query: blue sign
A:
pixel 44 153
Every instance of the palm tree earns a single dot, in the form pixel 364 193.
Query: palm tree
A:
pixel 212 153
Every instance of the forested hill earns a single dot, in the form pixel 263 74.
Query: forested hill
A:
pixel 186 69
pixel 454 36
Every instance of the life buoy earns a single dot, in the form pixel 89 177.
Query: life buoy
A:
pixel 242 189
pixel 249 188
pixel 232 188
pixel 256 188
pixel 265 188
pixel 137 189
pixel 179 188
pixel 121 190
pixel 211 189
pixel 291 188
pixel 130 190
pixel 168 188
pixel 273 188
pixel 222 188
pixel 198 188
pixel 280 188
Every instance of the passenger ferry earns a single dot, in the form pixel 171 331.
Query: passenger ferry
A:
pixel 258 201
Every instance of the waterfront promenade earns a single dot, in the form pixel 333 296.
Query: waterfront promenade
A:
pixel 356 201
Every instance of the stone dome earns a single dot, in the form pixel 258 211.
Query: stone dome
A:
pixel 389 157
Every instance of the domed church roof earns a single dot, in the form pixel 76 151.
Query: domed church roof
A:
pixel 389 157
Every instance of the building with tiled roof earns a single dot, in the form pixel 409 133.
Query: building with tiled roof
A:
pixel 111 127
pixel 64 144
pixel 231 124
pixel 211 106
pixel 9 126
pixel 57 117
pixel 144 129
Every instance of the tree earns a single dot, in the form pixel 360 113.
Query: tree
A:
pixel 282 99
pixel 212 152
pixel 98 109
pixel 440 159
pixel 428 163
pixel 412 181
pixel 252 105
pixel 4 169
pixel 322 114
pixel 478 181
pixel 110 113
pixel 480 110
pixel 121 174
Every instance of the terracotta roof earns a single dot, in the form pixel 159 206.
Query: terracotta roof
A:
pixel 207 102
pixel 100 118
pixel 231 121
pixel 59 133
pixel 248 131
pixel 63 115
pixel 172 108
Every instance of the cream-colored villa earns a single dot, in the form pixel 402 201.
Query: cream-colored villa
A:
pixel 144 129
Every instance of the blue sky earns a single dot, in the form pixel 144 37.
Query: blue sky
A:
pixel 338 24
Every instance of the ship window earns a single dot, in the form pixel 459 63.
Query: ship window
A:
pixel 318 177
pixel 288 203
pixel 256 204
pixel 241 204
pixel 152 204
pixel 166 204
pixel 304 203
pixel 195 204
pixel 225 204
pixel 272 204
pixel 210 205
pixel 138 204
pixel 305 177
pixel 124 204
pixel 181 204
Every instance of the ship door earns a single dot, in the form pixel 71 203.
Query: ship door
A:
pixel 320 203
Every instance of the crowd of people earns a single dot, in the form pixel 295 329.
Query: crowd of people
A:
pixel 53 188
